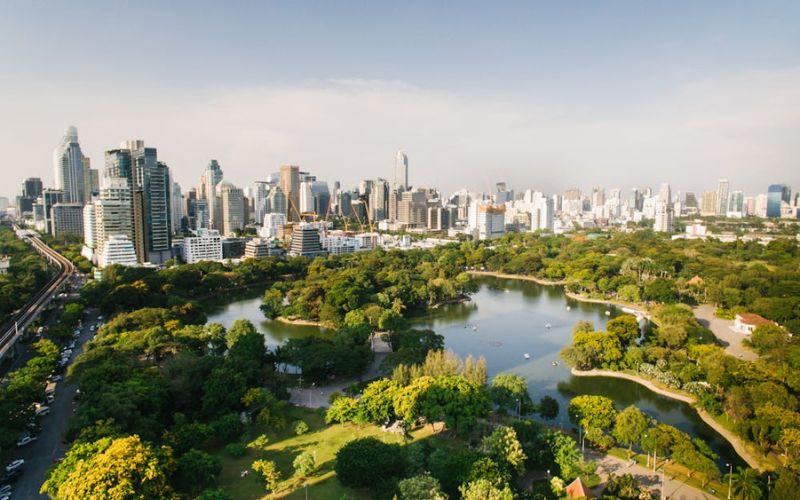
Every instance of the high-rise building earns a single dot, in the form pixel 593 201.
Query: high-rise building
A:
pixel 91 180
pixel 379 200
pixel 735 204
pixel 31 190
pixel 777 195
pixel 67 219
pixel 118 250
pixel 663 217
pixel 412 209
pixel 322 198
pixel 290 185
pixel 113 213
pixel 69 167
pixel 401 171
pixel 42 209
pixel 211 176
pixel 722 197
pixel 306 198
pixel 690 201
pixel 486 221
pixel 271 224
pixel 277 201
pixel 232 203
pixel 176 208
pixel 709 204
pixel 260 200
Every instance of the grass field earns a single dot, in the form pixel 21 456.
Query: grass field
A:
pixel 324 441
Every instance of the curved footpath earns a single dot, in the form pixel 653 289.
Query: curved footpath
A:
pixel 522 277
pixel 737 443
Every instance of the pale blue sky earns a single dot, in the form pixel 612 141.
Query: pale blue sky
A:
pixel 543 94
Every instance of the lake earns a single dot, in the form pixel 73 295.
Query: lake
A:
pixel 505 320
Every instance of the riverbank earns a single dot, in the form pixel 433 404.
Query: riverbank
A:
pixel 738 444
pixel 522 277
pixel 299 321
pixel 609 302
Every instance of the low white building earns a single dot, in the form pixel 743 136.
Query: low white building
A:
pixel 119 250
pixel 747 322
pixel 205 245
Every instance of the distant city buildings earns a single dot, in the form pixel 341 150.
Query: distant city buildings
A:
pixel 205 244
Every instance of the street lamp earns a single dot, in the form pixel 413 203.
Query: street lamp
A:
pixel 730 479
pixel 519 409
pixel 548 475
pixel 662 484
pixel 313 385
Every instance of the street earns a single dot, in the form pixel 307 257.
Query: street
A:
pixel 39 456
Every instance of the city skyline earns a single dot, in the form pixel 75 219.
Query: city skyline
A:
pixel 540 96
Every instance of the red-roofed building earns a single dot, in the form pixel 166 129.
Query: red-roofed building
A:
pixel 576 489
pixel 747 322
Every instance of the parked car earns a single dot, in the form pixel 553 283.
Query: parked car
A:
pixel 71 345
pixel 5 489
pixel 41 411
pixel 55 378
pixel 16 464
pixel 11 476
pixel 25 440
pixel 50 398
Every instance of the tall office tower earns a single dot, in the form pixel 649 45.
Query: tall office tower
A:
pixel 542 213
pixel 176 208
pixel 760 205
pixel 42 209
pixel 412 209
pixel 260 201
pixel 322 198
pixel 501 193
pixel 148 181
pixel 89 232
pixel 665 194
pixel 209 179
pixel 722 197
pixel 271 225
pixel 31 190
pixel 708 205
pixel 290 185
pixel 598 197
pixel 394 200
pixel 67 219
pixel 401 171
pixel 777 195
pixel 306 198
pixel 232 203
pixel 201 215
pixel 615 194
pixel 486 221
pixel 663 217
pixel 68 167
pixel 113 213
pixel 343 203
pixel 379 200
pixel 690 201
pixel 277 201
pixel 735 204
pixel 91 180
pixel 189 207
pixel 749 206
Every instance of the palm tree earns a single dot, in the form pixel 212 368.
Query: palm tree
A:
pixel 745 484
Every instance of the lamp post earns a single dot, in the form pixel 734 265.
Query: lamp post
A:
pixel 662 484
pixel 730 479
pixel 313 385
pixel 306 488
pixel 519 409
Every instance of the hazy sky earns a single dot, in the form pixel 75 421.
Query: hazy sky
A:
pixel 543 95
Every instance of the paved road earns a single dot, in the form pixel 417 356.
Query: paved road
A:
pixel 723 329
pixel 673 488
pixel 40 455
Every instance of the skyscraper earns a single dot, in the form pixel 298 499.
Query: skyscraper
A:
pixel 211 176
pixel 277 201
pixel 69 167
pixel 232 204
pixel 290 185
pixel 777 194
pixel 722 197
pixel 401 171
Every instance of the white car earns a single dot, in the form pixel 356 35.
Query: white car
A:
pixel 5 489
pixel 16 464
pixel 50 398
pixel 41 411
pixel 71 345
pixel 55 378
pixel 25 440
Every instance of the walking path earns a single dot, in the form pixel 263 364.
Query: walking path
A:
pixel 522 277
pixel 723 329
pixel 741 448
pixel 674 487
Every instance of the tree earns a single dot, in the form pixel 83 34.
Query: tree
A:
pixel 503 446
pixel 273 303
pixel 790 443
pixel 486 468
pixel 624 487
pixel 342 410
pixel 300 427
pixel 454 400
pixel 357 461
pixel 566 455
pixel 583 326
pixel 422 487
pixel 510 392
pixel 661 290
pixel 128 467
pixel 672 335
pixel 214 495
pixel 548 407
pixel 377 402
pixel 269 473
pixel 629 426
pixel 624 326
pixel 305 463
pixel 745 484
pixel 197 470
pixel 482 489
pixel 591 411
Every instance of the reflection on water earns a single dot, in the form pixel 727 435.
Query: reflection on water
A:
pixel 505 320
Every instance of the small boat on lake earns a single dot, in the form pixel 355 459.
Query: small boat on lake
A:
pixel 548 325
pixel 526 356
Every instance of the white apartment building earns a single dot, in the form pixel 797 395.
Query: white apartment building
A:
pixel 118 250
pixel 271 225
pixel 205 245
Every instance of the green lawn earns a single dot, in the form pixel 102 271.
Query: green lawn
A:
pixel 284 446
